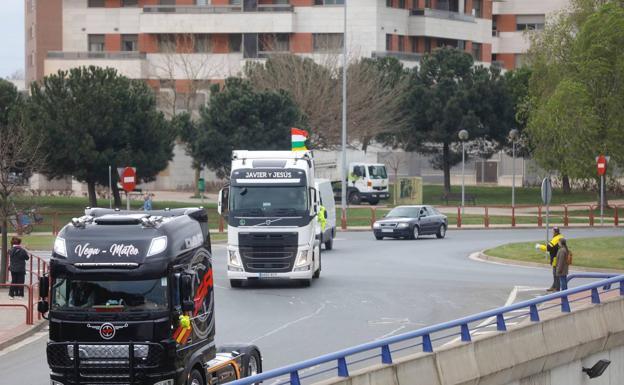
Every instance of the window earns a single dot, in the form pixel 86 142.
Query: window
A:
pixel 203 44
pixel 413 43
pixel 401 43
pixel 401 3
pixel 96 43
pixel 129 3
pixel 427 45
pixel 95 3
pixel 166 43
pixel 31 32
pixel 167 2
pixel 529 22
pixel 236 41
pixel 328 2
pixel 476 10
pixel 520 60
pixel 476 51
pixel 389 3
pixel 327 42
pixel 277 42
pixel 129 43
pixel 388 42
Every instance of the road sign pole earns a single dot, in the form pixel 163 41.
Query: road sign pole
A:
pixel 128 201
pixel 110 188
pixel 602 200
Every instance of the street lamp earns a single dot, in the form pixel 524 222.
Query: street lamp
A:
pixel 344 121
pixel 463 136
pixel 513 135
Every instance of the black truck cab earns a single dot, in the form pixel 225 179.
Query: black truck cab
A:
pixel 131 301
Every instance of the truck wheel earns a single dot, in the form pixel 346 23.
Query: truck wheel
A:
pixel 373 201
pixel 441 232
pixel 329 244
pixel 236 282
pixel 355 198
pixel 317 273
pixel 305 282
pixel 196 378
pixel 254 364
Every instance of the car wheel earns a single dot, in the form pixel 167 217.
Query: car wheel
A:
pixel 373 201
pixel 441 232
pixel 415 232
pixel 196 378
pixel 355 198
pixel 236 282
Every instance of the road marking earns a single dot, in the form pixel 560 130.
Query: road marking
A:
pixel 475 257
pixel 24 342
pixel 288 324
pixel 391 333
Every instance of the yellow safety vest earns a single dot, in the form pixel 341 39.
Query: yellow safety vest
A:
pixel 321 218
pixel 553 242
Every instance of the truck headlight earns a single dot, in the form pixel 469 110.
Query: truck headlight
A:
pixel 165 382
pixel 158 245
pixel 303 258
pixel 402 225
pixel 53 382
pixel 60 247
pixel 234 258
pixel 376 225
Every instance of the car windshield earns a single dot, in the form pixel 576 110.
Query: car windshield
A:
pixel 109 296
pixel 377 172
pixel 404 212
pixel 268 201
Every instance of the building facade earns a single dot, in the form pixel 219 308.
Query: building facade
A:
pixel 181 46
pixel 43 22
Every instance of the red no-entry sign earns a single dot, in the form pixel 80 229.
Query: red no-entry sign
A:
pixel 128 179
pixel 601 164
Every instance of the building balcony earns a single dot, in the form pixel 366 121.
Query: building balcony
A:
pixel 443 14
pixel 264 18
pixel 403 56
pixel 449 25
pixel 511 42
pixel 130 64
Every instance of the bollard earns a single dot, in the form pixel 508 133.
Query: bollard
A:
pixel 566 219
pixel 487 218
pixel 343 219
pixel 539 216
pixel 459 218
pixel 55 223
pixel 591 216
pixel 373 216
pixel 513 216
pixel 616 217
pixel 220 224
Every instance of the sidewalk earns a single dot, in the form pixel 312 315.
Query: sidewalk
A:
pixel 13 327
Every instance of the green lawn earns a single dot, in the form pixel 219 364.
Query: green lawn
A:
pixel 606 252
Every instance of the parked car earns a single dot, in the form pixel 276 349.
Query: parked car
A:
pixel 410 222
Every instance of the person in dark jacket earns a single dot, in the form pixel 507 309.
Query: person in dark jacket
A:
pixel 552 247
pixel 562 264
pixel 17 266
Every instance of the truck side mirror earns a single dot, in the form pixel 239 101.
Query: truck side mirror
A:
pixel 44 286
pixel 222 206
pixel 186 292
pixel 314 201
pixel 43 306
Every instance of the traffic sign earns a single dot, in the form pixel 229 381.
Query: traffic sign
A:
pixel 128 179
pixel 601 164
pixel 546 191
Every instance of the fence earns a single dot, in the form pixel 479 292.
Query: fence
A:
pixel 424 338
pixel 31 286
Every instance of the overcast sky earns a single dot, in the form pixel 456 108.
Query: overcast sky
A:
pixel 11 37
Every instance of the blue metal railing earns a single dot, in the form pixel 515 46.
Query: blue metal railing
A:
pixel 382 347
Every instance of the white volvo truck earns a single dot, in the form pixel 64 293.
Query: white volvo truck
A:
pixel 366 182
pixel 271 207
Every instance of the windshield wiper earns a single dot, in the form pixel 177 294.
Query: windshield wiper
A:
pixel 249 212
pixel 285 212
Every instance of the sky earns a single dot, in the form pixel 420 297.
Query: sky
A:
pixel 11 37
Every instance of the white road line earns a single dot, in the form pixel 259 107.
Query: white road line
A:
pixel 391 333
pixel 24 342
pixel 288 324
pixel 475 257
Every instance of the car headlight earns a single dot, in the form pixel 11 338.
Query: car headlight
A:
pixel 303 258
pixel 402 225
pixel 60 247
pixel 234 258
pixel 376 225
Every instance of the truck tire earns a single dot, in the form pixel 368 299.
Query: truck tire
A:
pixel 196 378
pixel 305 282
pixel 236 282
pixel 329 244
pixel 253 365
pixel 317 273
pixel 355 198
pixel 373 201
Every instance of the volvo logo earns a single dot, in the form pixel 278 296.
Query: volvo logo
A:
pixel 107 330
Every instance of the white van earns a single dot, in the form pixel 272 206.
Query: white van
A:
pixel 324 187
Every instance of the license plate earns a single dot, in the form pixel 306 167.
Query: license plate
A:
pixel 267 275
pixel 387 230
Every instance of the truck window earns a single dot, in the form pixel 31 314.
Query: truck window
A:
pixel 377 172
pixel 266 201
pixel 144 295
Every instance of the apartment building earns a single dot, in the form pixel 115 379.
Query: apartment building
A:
pixel 176 45
pixel 43 33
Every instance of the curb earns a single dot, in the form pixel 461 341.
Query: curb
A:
pixel 488 258
pixel 13 340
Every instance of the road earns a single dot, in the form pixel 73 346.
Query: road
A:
pixel 368 289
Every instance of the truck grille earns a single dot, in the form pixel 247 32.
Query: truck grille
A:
pixel 268 252
pixel 104 363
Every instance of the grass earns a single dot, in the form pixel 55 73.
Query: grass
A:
pixel 38 242
pixel 605 252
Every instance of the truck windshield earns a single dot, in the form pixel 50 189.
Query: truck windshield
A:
pixel 269 201
pixel 377 172
pixel 109 296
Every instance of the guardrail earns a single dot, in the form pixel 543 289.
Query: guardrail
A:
pixel 31 284
pixel 460 327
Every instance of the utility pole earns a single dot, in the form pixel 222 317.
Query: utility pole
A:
pixel 344 120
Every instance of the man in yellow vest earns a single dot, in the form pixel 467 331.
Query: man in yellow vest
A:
pixel 552 247
pixel 322 219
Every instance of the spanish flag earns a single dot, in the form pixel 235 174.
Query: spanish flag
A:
pixel 299 138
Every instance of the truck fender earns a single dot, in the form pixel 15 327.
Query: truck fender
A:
pixel 243 350
pixel 195 359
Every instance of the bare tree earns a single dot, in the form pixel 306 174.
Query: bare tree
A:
pixel 395 160
pixel 315 83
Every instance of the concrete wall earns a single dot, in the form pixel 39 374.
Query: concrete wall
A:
pixel 551 352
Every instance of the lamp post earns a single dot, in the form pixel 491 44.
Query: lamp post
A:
pixel 463 136
pixel 344 121
pixel 513 135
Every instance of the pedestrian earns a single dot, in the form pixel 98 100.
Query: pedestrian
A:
pixel 147 202
pixel 563 263
pixel 17 259
pixel 552 247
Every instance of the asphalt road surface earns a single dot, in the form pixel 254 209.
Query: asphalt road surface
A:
pixel 368 289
